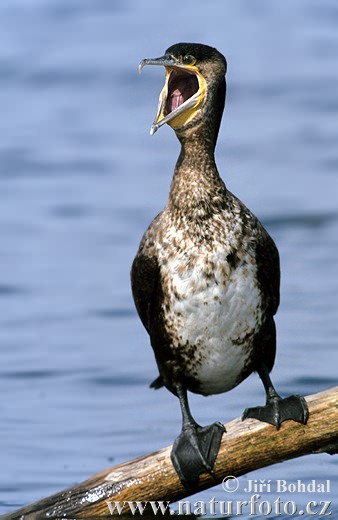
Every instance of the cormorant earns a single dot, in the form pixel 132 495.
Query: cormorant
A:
pixel 205 280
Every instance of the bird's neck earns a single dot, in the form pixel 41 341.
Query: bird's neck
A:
pixel 196 186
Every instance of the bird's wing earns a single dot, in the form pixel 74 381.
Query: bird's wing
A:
pixel 268 273
pixel 144 282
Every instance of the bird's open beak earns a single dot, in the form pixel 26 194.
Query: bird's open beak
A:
pixel 182 94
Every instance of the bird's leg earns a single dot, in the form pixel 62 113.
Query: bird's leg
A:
pixel 277 409
pixel 195 449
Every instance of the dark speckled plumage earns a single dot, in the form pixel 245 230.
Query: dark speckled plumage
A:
pixel 201 213
pixel 206 276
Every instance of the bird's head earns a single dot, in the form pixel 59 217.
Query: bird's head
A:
pixel 194 87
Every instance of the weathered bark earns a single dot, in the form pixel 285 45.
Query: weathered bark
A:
pixel 246 446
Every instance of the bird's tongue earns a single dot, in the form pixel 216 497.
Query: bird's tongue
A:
pixel 180 88
pixel 176 99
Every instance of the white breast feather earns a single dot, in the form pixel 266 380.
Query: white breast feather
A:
pixel 214 315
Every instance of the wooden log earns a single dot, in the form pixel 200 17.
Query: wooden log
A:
pixel 247 445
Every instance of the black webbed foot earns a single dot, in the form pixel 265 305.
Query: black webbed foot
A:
pixel 278 410
pixel 195 450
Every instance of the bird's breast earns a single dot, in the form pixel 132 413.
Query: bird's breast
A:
pixel 213 309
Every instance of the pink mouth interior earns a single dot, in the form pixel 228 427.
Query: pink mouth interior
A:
pixel 181 86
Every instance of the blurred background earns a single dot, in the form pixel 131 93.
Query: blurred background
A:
pixel 81 179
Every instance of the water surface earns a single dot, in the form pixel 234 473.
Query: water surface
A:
pixel 80 180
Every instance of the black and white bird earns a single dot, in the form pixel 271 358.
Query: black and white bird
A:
pixel 205 279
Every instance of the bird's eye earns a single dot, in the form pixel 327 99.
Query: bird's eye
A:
pixel 189 60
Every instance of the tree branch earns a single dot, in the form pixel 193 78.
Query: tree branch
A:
pixel 246 446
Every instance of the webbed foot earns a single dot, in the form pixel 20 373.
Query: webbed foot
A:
pixel 195 450
pixel 278 410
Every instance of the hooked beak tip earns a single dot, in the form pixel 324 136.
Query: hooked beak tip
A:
pixel 140 67
pixel 144 62
pixel 153 129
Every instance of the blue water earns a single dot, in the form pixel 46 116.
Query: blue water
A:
pixel 80 180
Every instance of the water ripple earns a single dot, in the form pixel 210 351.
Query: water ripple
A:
pixel 114 313
pixel 12 290
pixel 305 220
